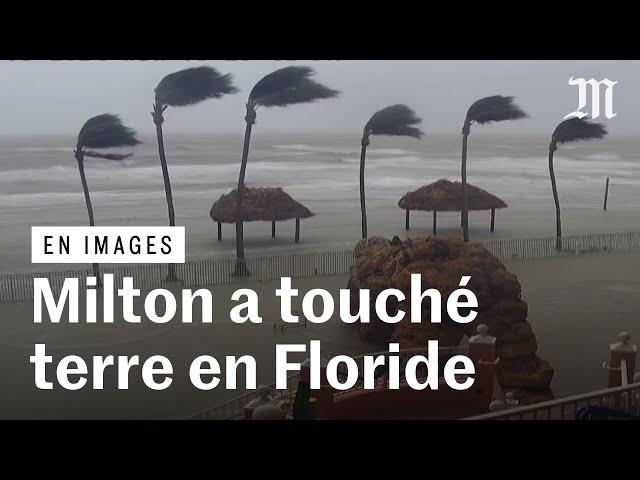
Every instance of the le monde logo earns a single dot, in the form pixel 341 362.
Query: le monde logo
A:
pixel 582 85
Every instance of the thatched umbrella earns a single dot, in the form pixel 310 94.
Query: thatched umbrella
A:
pixel 447 196
pixel 266 204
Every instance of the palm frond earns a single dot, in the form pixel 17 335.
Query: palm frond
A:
pixel 494 109
pixel 279 80
pixel 106 131
pixel 577 129
pixel 193 85
pixel 394 120
pixel 107 156
pixel 288 86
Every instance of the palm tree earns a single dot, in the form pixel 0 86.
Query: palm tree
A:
pixel 571 130
pixel 489 109
pixel 282 88
pixel 180 89
pixel 393 120
pixel 102 131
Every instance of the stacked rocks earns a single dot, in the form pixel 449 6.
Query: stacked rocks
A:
pixel 441 262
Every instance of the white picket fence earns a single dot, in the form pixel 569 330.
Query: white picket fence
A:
pixel 196 273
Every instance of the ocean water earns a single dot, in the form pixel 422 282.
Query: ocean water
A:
pixel 40 185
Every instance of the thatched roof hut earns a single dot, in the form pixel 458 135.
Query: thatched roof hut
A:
pixel 446 196
pixel 267 204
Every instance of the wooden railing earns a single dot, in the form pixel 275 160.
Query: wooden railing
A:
pixel 625 398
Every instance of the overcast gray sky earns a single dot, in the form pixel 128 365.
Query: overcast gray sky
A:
pixel 43 97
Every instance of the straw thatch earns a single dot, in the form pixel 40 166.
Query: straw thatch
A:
pixel 446 196
pixel 259 204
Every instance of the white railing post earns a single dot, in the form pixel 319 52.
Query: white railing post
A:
pixel 510 400
pixel 482 347
pixel 482 352
pixel 623 349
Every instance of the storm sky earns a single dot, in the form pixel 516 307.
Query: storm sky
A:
pixel 43 97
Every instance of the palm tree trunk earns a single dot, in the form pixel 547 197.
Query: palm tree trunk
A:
pixel 87 199
pixel 165 176
pixel 241 266
pixel 363 206
pixel 465 201
pixel 171 277
pixel 556 200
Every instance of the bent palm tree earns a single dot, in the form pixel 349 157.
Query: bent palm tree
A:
pixel 180 89
pixel 393 120
pixel 571 130
pixel 489 109
pixel 101 131
pixel 282 88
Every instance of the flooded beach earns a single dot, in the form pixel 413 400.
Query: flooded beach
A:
pixel 40 186
pixel 577 306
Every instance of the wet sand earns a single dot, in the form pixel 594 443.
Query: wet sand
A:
pixel 577 306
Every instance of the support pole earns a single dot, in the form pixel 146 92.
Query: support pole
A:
pixel 406 220
pixel 435 221
pixel 462 219
pixel 493 219
pixel 606 193
pixel 297 230
pixel 219 231
pixel 273 229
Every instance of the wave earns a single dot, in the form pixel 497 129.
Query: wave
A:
pixel 46 200
pixel 126 172
pixel 303 148
pixel 602 156
pixel 37 149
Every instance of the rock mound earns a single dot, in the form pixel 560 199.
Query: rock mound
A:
pixel 441 262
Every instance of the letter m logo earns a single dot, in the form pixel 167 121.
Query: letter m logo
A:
pixel 582 84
